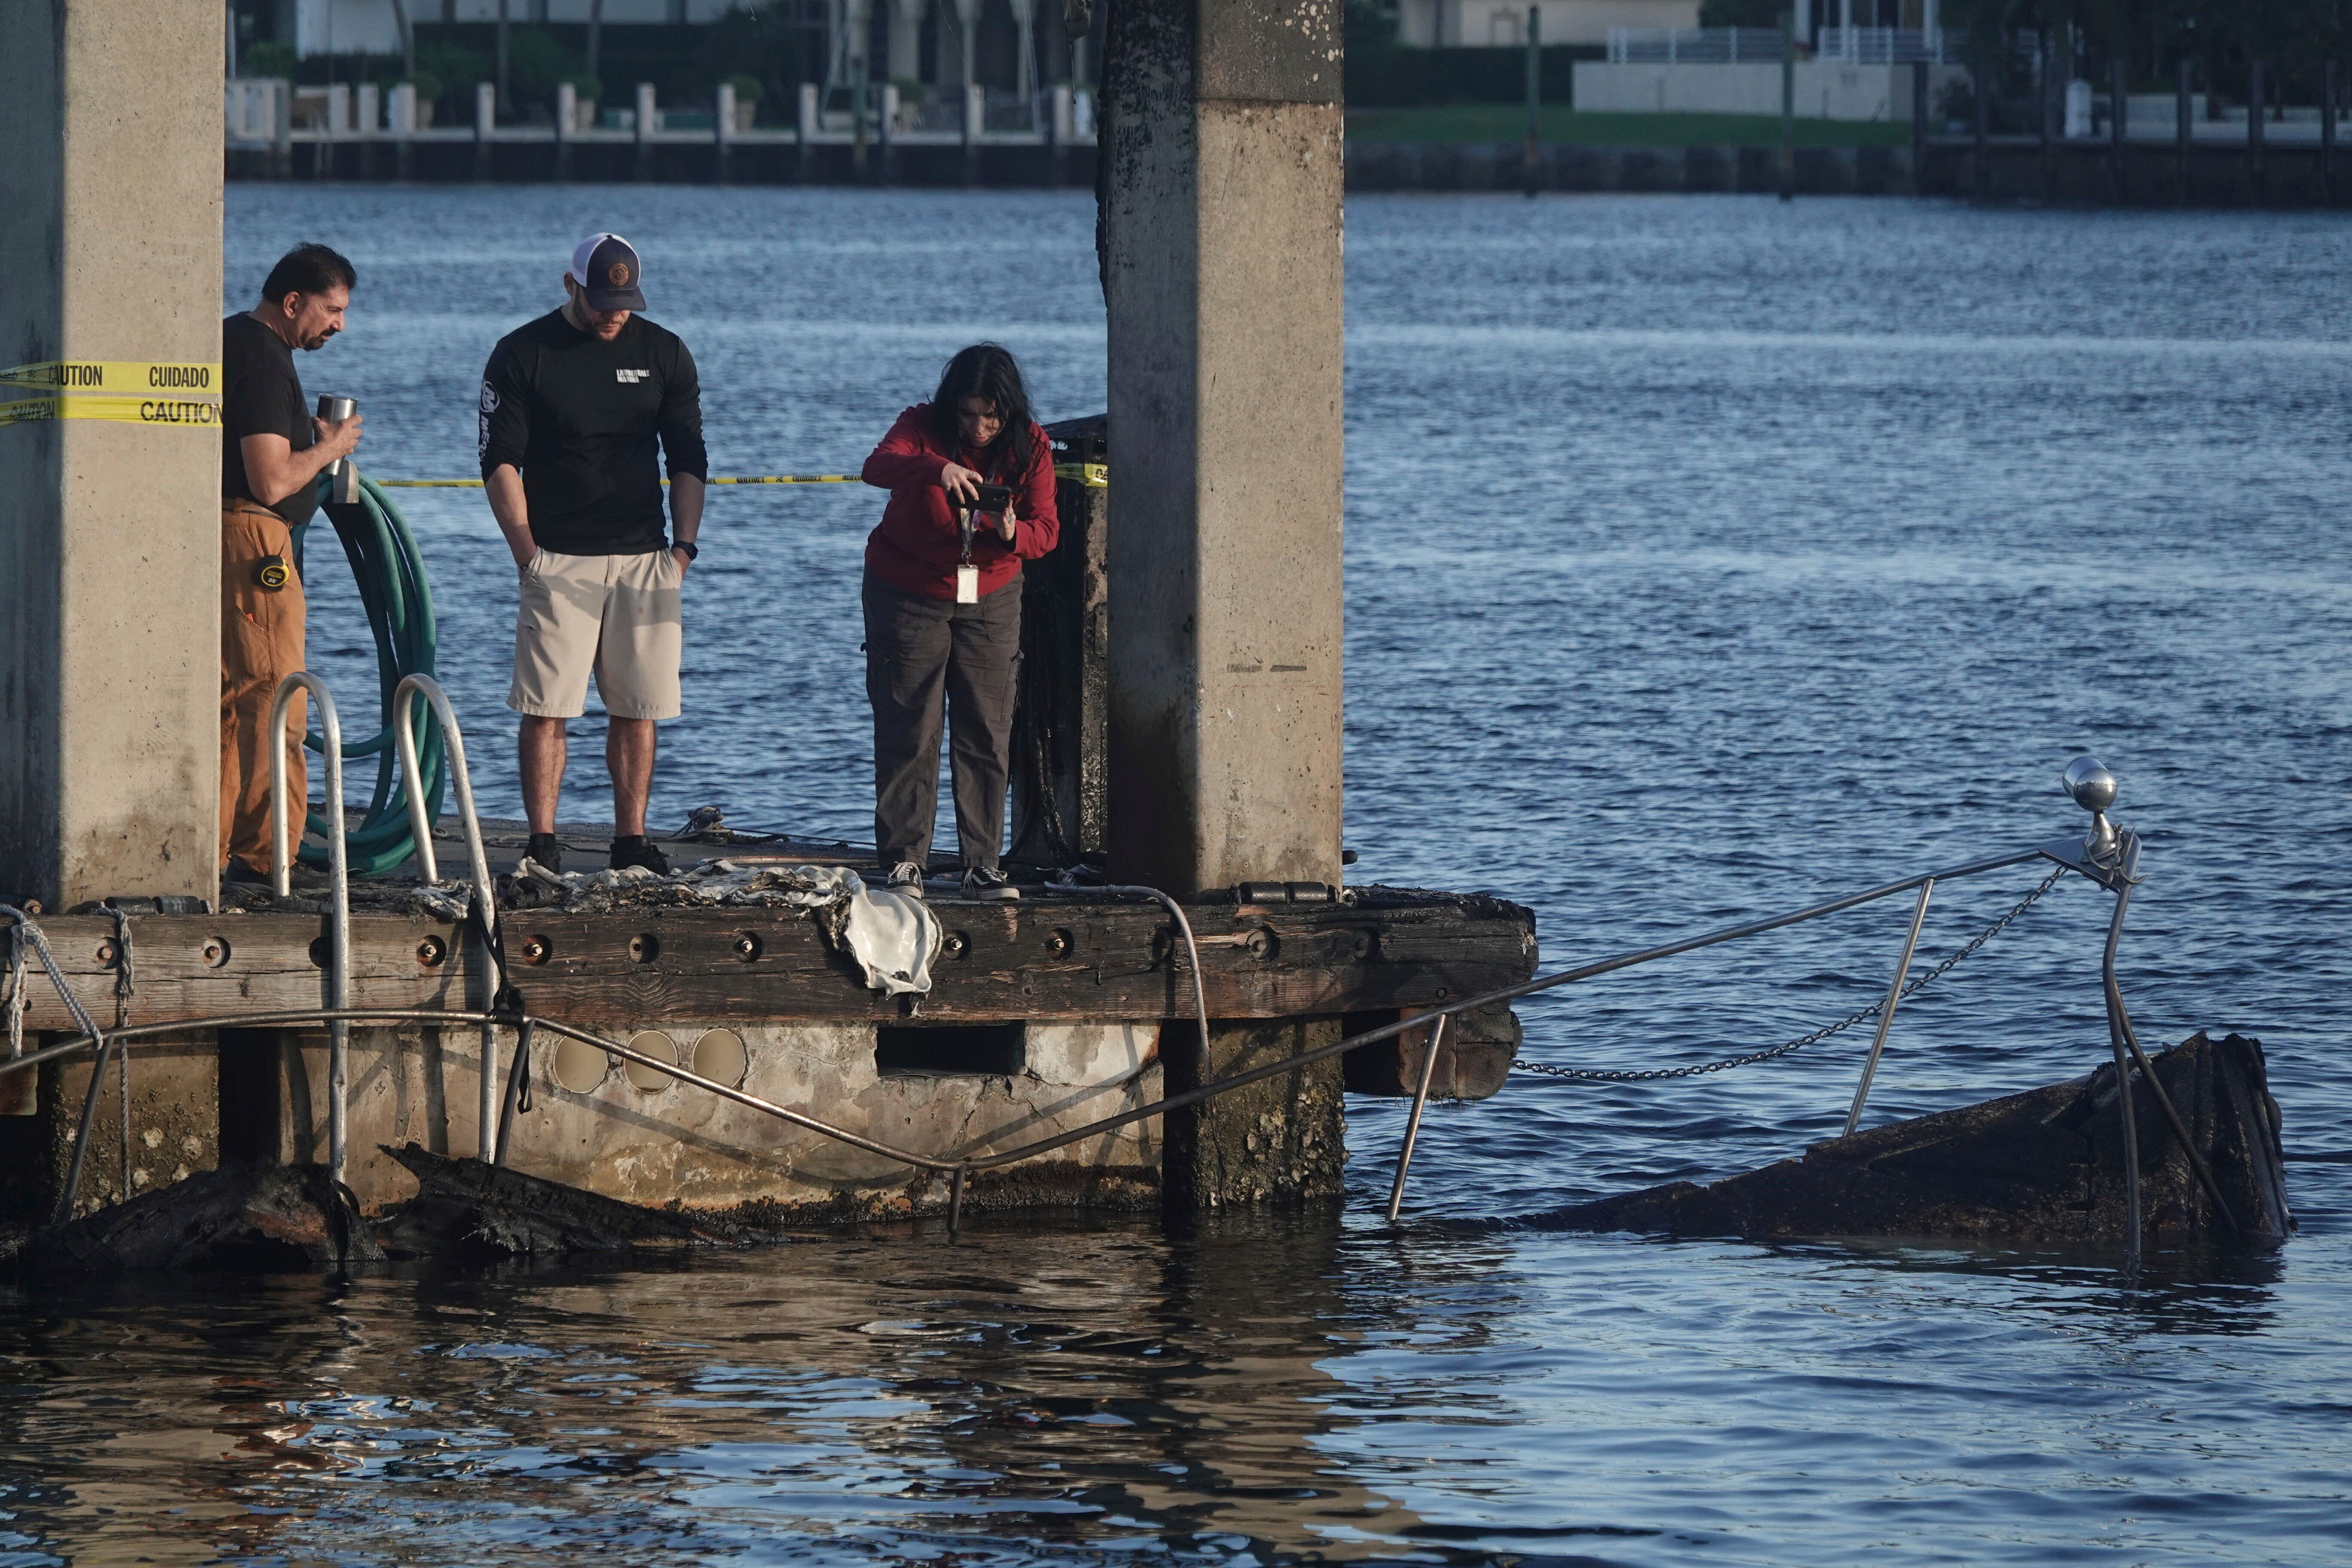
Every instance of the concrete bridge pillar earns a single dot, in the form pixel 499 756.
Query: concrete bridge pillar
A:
pixel 1222 270
pixel 1221 237
pixel 110 530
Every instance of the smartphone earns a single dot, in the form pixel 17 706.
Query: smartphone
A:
pixel 992 498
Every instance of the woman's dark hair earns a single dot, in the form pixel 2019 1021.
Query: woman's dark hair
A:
pixel 308 270
pixel 986 371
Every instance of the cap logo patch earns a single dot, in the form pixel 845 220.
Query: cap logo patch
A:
pixel 617 275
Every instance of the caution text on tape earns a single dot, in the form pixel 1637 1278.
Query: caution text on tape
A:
pixel 121 377
pixel 181 413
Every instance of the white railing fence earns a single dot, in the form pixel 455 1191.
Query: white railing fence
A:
pixel 1887 46
pixel 1693 45
pixel 1740 46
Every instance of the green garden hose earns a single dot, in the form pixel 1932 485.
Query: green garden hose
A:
pixel 399 603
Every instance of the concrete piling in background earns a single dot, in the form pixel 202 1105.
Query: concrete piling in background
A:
pixel 1222 276
pixel 1222 267
pixel 109 663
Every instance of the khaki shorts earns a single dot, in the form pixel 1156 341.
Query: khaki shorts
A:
pixel 615 615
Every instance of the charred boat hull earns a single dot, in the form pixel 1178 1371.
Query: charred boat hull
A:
pixel 2045 1166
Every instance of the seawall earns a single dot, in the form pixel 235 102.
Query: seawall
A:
pixel 2004 169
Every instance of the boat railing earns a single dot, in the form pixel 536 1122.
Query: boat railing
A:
pixel 339 873
pixel 478 861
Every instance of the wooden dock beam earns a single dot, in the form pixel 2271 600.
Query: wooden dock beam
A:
pixel 1042 1015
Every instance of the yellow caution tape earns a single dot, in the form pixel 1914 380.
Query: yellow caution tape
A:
pixel 716 480
pixel 191 414
pixel 122 377
pixel 1095 476
pixel 123 392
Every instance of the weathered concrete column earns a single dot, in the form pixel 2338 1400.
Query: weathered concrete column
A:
pixel 1221 240
pixel 109 528
pixel 1222 269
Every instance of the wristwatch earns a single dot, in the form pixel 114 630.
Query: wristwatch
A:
pixel 692 553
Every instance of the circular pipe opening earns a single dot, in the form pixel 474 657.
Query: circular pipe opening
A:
pixel 581 1067
pixel 651 1043
pixel 720 1057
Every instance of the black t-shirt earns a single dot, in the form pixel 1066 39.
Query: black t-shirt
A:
pixel 579 416
pixel 261 395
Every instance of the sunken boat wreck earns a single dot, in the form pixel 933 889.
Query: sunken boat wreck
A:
pixel 2045 1166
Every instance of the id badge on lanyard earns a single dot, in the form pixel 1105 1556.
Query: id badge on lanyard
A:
pixel 967 585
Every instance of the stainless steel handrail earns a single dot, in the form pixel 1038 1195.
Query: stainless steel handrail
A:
pixel 338 968
pixel 1412 1122
pixel 1886 1008
pixel 486 898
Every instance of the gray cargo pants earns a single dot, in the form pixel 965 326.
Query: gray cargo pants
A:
pixel 917 650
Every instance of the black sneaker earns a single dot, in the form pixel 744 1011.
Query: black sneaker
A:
pixel 988 882
pixel 547 850
pixel 237 874
pixel 636 849
pixel 905 876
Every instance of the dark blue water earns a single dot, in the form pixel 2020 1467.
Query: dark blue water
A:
pixel 1706 557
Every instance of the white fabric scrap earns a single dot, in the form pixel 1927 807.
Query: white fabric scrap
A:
pixel 894 936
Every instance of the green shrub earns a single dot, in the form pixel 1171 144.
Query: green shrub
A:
pixel 747 89
pixel 536 62
pixel 452 66
pixel 269 58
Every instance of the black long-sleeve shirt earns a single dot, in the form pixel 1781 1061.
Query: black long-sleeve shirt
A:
pixel 579 416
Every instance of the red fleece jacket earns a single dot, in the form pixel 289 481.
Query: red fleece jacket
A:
pixel 916 547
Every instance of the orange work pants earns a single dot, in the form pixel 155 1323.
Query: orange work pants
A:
pixel 261 645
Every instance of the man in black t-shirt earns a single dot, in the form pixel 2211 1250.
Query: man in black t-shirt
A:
pixel 573 406
pixel 271 454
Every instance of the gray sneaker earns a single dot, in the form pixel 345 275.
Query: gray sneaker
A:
pixel 988 882
pixel 906 878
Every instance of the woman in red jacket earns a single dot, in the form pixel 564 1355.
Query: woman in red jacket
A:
pixel 943 610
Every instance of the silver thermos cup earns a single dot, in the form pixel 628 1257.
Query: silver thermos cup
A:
pixel 342 479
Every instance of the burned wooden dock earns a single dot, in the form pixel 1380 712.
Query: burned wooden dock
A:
pixel 1043 1014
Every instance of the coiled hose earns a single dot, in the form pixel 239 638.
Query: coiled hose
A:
pixel 398 601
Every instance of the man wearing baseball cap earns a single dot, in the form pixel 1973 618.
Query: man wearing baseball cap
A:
pixel 573 407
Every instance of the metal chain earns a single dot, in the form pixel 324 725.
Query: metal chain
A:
pixel 1586 1075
